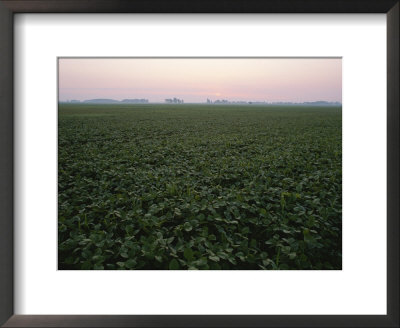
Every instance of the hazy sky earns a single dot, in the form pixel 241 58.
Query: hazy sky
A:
pixel 195 80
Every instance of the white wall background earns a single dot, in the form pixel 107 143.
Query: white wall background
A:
pixel 360 288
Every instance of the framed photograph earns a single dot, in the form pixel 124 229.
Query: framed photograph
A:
pixel 213 164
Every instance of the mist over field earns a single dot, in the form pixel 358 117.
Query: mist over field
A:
pixel 195 80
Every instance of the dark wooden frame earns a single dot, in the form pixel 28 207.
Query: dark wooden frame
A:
pixel 7 10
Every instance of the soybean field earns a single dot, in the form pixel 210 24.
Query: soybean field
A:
pixel 214 187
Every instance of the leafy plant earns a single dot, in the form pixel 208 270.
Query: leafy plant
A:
pixel 199 187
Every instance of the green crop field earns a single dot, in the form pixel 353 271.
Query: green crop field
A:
pixel 199 187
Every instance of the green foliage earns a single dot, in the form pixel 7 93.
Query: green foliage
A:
pixel 174 265
pixel 199 187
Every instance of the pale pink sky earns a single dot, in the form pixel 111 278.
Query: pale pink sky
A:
pixel 195 80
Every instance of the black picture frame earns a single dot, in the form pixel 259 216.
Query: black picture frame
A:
pixel 10 7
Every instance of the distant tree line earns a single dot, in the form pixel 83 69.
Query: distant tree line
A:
pixel 224 101
pixel 306 103
pixel 174 101
pixel 135 101
pixel 110 101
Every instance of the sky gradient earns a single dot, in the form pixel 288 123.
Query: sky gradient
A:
pixel 195 80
